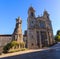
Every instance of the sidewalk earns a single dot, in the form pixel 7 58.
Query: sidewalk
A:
pixel 21 52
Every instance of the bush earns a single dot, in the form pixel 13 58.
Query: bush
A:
pixel 13 45
pixel 16 50
pixel 7 47
pixel 57 38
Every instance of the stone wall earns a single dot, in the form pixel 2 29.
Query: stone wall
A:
pixel 4 39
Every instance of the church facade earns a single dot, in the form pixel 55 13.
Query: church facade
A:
pixel 39 32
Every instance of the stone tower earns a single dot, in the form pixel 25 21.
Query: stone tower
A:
pixel 17 34
pixel 30 28
pixel 39 30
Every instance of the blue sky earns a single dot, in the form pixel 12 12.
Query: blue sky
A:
pixel 11 9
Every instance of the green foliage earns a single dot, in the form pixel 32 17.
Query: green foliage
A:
pixel 16 50
pixel 58 32
pixel 22 44
pixel 13 45
pixel 57 37
pixel 7 47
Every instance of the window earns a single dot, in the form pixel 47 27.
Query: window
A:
pixel 32 23
pixel 32 36
pixel 42 24
pixel 32 14
pixel 32 44
pixel 47 17
pixel 50 25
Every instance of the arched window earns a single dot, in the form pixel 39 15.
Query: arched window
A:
pixel 42 24
pixel 32 14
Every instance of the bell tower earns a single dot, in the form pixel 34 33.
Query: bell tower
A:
pixel 31 41
pixel 17 34
pixel 31 17
pixel 31 12
pixel 46 15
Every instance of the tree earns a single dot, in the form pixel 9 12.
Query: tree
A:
pixel 57 37
pixel 58 32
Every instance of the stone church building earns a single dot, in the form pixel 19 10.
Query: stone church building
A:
pixel 39 31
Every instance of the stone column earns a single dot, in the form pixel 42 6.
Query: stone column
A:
pixel 40 41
